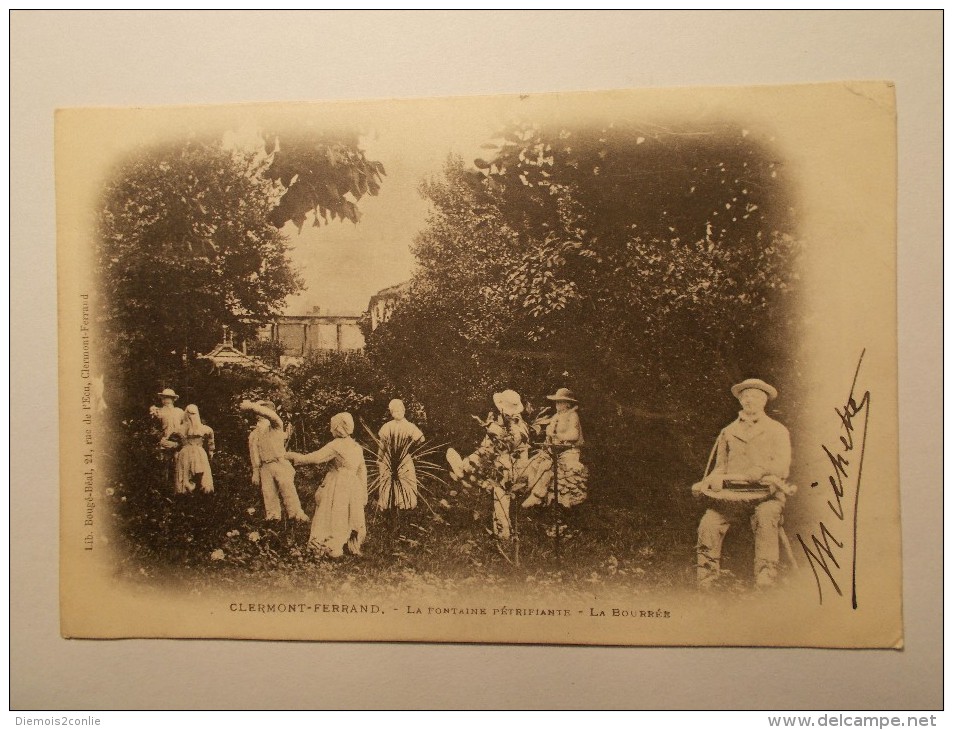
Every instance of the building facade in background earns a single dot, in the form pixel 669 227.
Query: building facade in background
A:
pixel 382 304
pixel 301 334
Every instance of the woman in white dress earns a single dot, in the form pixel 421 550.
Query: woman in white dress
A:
pixel 339 516
pixel 397 438
pixel 192 465
pixel 563 439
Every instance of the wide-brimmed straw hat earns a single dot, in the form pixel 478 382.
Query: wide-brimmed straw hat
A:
pixel 757 384
pixel 509 402
pixel 342 424
pixel 169 393
pixel 563 394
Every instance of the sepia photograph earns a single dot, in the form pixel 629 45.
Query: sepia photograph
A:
pixel 609 368
pixel 469 360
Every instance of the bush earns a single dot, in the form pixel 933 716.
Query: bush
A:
pixel 335 382
pixel 646 273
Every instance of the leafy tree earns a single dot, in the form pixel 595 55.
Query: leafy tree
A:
pixel 185 248
pixel 190 243
pixel 647 268
pixel 318 173
pixel 649 229
pixel 676 247
pixel 453 309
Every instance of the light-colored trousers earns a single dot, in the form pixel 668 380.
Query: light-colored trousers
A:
pixel 501 513
pixel 279 477
pixel 766 525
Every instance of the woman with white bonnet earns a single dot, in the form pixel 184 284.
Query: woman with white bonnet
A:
pixel 397 439
pixel 192 466
pixel 339 516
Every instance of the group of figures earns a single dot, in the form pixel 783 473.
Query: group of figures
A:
pixel 189 443
pixel 338 522
pixel 505 465
pixel 539 462
pixel 501 465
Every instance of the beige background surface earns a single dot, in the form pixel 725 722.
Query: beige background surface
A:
pixel 128 59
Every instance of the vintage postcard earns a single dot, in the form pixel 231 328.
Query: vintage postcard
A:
pixel 609 368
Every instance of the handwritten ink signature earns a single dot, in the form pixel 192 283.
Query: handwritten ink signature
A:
pixel 823 544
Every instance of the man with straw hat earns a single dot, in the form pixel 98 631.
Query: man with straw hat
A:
pixel 169 416
pixel 170 420
pixel 752 459
pixel 269 461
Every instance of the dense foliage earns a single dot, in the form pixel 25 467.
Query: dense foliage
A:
pixel 318 174
pixel 190 242
pixel 646 268
pixel 185 248
pixel 329 383
pixel 648 272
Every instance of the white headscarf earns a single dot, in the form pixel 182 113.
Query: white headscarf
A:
pixel 193 421
pixel 342 425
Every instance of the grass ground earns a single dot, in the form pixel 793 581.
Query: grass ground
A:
pixel 209 542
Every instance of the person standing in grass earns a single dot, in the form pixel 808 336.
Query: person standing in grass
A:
pixel 339 516
pixel 397 437
pixel 270 466
pixel 170 422
pixel 192 466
